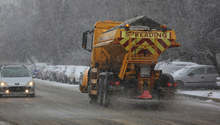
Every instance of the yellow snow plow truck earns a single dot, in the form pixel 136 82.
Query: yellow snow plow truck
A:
pixel 123 57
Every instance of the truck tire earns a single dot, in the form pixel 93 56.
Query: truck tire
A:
pixel 100 90
pixel 106 97
pixel 103 92
pixel 161 83
pixel 165 78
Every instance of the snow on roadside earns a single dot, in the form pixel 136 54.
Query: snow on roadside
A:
pixel 4 123
pixel 202 93
pixel 57 84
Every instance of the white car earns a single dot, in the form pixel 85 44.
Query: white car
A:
pixel 197 76
pixel 51 73
pixel 70 74
pixel 171 67
pixel 60 74
pixel 43 74
pixel 16 80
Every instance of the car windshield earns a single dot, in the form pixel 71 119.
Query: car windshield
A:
pixel 172 69
pixel 15 72
pixel 185 70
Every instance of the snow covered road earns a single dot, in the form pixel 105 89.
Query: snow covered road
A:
pixel 62 104
pixel 58 85
pixel 202 93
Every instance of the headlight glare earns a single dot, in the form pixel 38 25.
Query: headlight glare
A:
pixel 31 83
pixel 3 84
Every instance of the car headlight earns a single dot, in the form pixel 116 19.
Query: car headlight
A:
pixel 3 84
pixel 31 83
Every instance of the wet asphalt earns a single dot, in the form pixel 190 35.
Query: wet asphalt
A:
pixel 60 106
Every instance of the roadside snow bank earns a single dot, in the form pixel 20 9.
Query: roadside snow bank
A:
pixel 202 93
pixel 57 84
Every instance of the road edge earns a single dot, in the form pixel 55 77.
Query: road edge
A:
pixel 199 97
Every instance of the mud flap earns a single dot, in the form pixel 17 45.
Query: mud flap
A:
pixel 145 95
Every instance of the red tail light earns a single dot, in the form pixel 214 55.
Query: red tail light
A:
pixel 117 83
pixel 174 84
pixel 169 84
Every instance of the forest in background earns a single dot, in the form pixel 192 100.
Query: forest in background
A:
pixel 51 30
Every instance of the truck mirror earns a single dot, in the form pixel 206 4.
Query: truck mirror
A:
pixel 87 36
pixel 84 40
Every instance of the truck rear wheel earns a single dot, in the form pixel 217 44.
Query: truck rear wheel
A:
pixel 162 90
pixel 100 91
pixel 103 93
pixel 106 97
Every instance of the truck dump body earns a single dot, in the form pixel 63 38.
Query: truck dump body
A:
pixel 124 55
pixel 143 45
